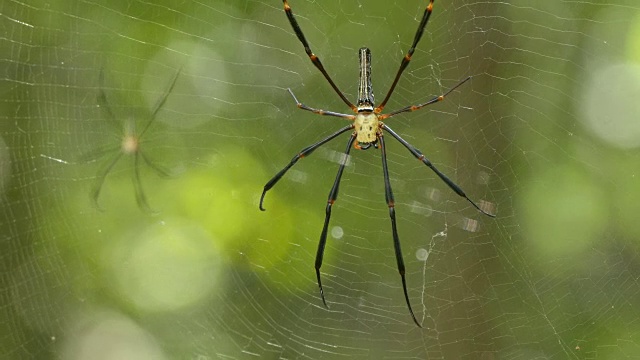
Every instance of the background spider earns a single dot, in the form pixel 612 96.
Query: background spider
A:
pixel 368 131
pixel 130 145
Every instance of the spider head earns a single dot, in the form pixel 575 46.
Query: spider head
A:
pixel 130 144
pixel 130 141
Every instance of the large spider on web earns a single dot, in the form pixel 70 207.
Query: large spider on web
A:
pixel 130 146
pixel 368 131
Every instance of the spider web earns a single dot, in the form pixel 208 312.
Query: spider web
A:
pixel 545 135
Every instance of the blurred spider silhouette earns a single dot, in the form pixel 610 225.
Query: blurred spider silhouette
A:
pixel 130 145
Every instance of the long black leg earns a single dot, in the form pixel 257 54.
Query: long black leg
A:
pixel 102 175
pixel 103 103
pixel 442 176
pixel 95 154
pixel 141 198
pixel 159 169
pixel 436 99
pixel 304 152
pixel 392 213
pixel 314 59
pixel 320 111
pixel 160 102
pixel 407 58
pixel 333 195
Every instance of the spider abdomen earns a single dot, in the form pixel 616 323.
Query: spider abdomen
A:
pixel 367 125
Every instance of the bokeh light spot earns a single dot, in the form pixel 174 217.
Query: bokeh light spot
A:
pixel 164 268
pixel 610 105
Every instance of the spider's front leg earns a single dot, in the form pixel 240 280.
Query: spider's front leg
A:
pixel 304 152
pixel 333 195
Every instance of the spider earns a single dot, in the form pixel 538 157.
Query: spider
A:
pixel 368 131
pixel 130 145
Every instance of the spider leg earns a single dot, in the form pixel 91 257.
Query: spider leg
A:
pixel 435 99
pixel 159 169
pixel 141 198
pixel 333 195
pixel 160 102
pixel 392 214
pixel 314 59
pixel 102 175
pixel 103 103
pixel 320 111
pixel 426 161
pixel 304 152
pixel 97 153
pixel 407 58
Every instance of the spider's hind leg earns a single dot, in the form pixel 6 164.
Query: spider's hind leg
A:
pixel 392 214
